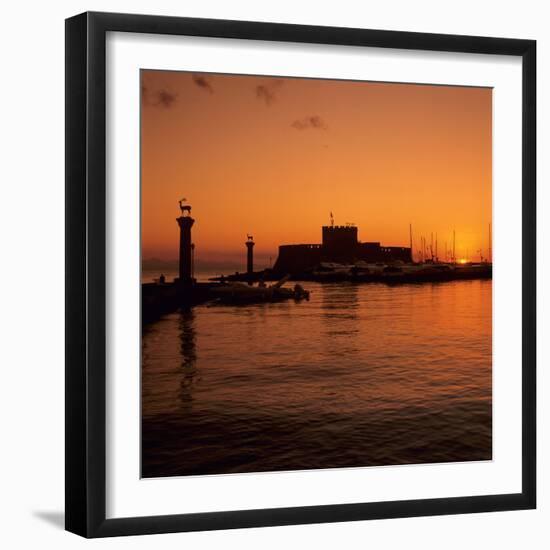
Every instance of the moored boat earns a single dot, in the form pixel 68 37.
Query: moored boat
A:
pixel 239 293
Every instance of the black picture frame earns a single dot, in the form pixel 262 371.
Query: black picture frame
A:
pixel 86 284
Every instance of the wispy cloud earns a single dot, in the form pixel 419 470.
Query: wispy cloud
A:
pixel 159 98
pixel 166 99
pixel 268 92
pixel 313 122
pixel 203 83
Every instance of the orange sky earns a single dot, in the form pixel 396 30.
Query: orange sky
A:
pixel 274 156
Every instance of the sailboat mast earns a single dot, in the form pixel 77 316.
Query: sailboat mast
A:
pixel 424 248
pixel 454 246
pixel 411 240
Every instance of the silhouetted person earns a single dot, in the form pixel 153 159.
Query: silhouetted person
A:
pixel 162 279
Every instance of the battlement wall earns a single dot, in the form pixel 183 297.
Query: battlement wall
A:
pixel 296 258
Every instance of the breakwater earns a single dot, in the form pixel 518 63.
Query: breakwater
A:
pixel 391 274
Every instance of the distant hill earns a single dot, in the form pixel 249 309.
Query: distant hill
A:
pixel 227 266
pixel 156 263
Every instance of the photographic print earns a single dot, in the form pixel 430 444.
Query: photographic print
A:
pixel 316 273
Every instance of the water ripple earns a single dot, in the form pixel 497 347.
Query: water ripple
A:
pixel 361 375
